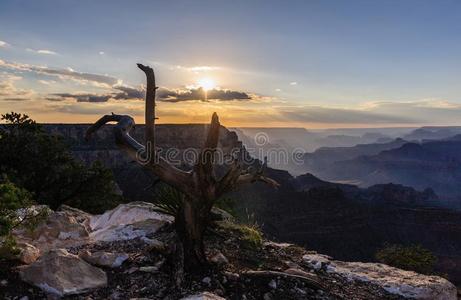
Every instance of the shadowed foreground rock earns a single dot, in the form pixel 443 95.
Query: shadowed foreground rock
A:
pixel 70 227
pixel 396 281
pixel 204 296
pixel 60 273
pixel 137 265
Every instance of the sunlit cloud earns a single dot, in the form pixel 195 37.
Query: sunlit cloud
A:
pixel 10 92
pixel 96 94
pixel 46 82
pixel 98 80
pixel 293 83
pixel 3 44
pixel 202 68
pixel 42 51
pixel 195 69
pixel 101 53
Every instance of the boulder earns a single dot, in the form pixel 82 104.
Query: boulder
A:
pixel 60 273
pixel 127 221
pixel 219 259
pixel 316 261
pixel 70 227
pixel 29 253
pixel 61 229
pixel 104 259
pixel 395 281
pixel 218 214
pixel 204 296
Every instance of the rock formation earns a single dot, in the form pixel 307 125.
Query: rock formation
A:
pixel 138 266
pixel 340 220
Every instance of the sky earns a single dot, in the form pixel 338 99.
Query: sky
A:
pixel 312 64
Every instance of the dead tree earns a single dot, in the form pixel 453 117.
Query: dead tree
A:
pixel 200 186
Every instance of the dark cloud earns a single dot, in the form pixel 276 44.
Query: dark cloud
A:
pixel 163 94
pixel 80 97
pixel 127 92
pixel 200 94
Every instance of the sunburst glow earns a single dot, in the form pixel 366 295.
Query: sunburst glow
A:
pixel 206 83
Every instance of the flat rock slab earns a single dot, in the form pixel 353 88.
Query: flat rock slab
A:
pixel 60 273
pixel 104 259
pixel 408 284
pixel 68 227
pixel 127 221
pixel 203 296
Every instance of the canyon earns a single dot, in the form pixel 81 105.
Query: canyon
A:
pixel 341 220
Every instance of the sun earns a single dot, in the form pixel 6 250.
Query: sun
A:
pixel 206 83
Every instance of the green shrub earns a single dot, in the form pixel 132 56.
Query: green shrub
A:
pixel 412 258
pixel 15 211
pixel 42 164
pixel 250 236
pixel 227 204
pixel 168 200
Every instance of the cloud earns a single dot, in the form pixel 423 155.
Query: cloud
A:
pixel 293 83
pixel 97 80
pixel 195 69
pixel 85 108
pixel 101 53
pixel 201 95
pixel 42 51
pixel 123 92
pixel 127 92
pixel 10 92
pixel 46 82
pixel 3 44
pixel 79 97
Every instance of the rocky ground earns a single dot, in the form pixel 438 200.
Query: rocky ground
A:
pixel 121 259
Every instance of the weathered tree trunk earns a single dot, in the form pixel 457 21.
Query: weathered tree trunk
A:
pixel 191 223
pixel 200 186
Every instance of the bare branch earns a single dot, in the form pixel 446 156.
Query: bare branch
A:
pixel 228 181
pixel 312 281
pixel 167 173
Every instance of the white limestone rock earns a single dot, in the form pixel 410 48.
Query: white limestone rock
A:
pixel 60 273
pixel 127 221
pixel 408 284
pixel 104 259
pixel 68 227
pixel 316 261
pixel 204 296
pixel 397 281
